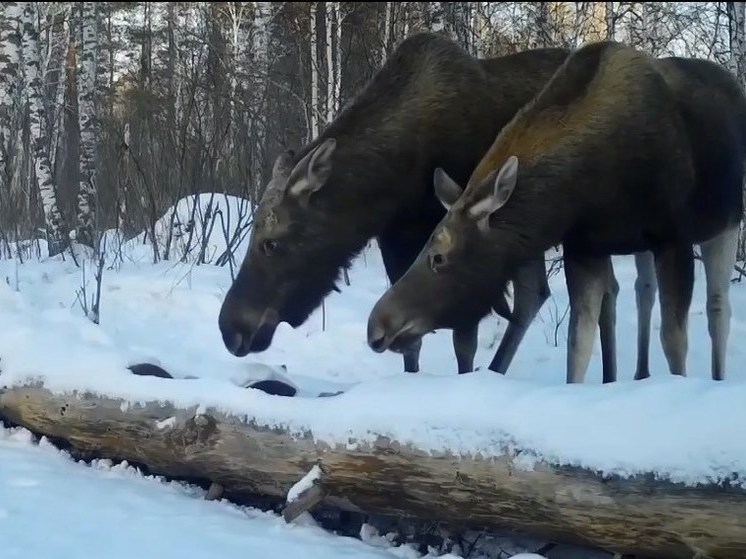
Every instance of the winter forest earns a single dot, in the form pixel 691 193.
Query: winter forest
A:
pixel 113 111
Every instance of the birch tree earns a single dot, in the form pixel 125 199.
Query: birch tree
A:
pixel 10 40
pixel 338 56
pixel 387 9
pixel 330 60
pixel 314 131
pixel 87 87
pixel 37 126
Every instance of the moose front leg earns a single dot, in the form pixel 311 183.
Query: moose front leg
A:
pixel 465 345
pixel 587 280
pixel 530 292
pixel 675 271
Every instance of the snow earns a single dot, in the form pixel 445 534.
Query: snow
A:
pixel 114 508
pixel 304 484
pixel 684 429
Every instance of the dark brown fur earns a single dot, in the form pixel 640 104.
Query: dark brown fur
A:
pixel 619 153
pixel 431 105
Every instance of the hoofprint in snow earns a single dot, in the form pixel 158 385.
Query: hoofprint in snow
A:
pixel 684 429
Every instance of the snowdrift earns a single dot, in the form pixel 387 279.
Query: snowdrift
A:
pixel 468 470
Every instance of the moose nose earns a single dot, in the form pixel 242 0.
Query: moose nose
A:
pixel 377 339
pixel 244 332
pixel 233 341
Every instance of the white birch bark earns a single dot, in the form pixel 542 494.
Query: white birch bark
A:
pixel 314 132
pixel 338 56
pixel 37 127
pixel 330 70
pixel 87 74
pixel 10 39
pixel 386 31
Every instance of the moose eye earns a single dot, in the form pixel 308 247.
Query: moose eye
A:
pixel 437 261
pixel 269 246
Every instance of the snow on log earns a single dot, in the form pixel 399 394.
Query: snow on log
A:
pixel 640 515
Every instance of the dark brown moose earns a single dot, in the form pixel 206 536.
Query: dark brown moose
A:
pixel 369 175
pixel 619 153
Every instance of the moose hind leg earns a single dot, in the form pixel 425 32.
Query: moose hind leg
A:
pixel 719 257
pixel 675 270
pixel 607 326
pixel 530 292
pixel 645 290
pixel 587 280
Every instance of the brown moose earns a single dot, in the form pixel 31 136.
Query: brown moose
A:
pixel 369 175
pixel 619 153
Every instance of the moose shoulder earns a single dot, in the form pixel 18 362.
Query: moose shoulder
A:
pixel 619 153
pixel 369 175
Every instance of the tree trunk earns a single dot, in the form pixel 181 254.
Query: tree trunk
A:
pixel 641 515
pixel 330 69
pixel 56 237
pixel 386 32
pixel 314 132
pixel 610 21
pixel 87 74
pixel 737 34
pixel 10 42
pixel 262 35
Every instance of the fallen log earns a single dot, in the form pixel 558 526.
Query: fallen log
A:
pixel 638 516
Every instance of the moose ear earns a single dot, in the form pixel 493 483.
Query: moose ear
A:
pixel 312 172
pixel 446 189
pixel 503 186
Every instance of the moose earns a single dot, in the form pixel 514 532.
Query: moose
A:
pixel 369 175
pixel 619 153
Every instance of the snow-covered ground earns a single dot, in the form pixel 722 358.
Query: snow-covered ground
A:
pixel 686 429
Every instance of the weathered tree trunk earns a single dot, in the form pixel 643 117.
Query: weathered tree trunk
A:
pixel 56 236
pixel 641 516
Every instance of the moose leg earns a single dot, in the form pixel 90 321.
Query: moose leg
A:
pixel 645 290
pixel 587 280
pixel 398 253
pixel 530 292
pixel 675 270
pixel 719 257
pixel 607 325
pixel 412 357
pixel 465 344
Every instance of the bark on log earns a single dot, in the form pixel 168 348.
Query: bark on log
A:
pixel 640 516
